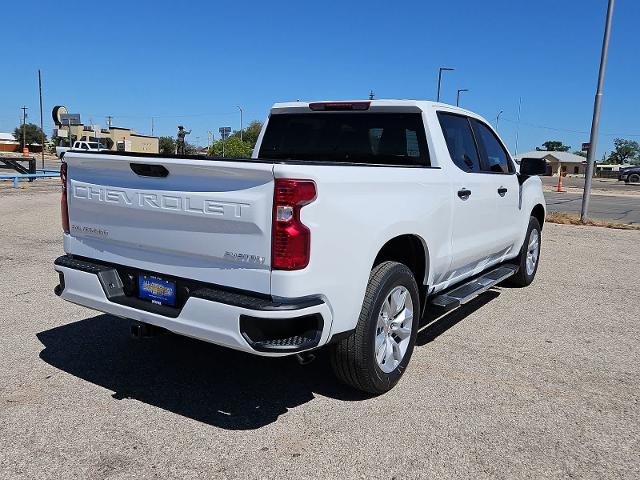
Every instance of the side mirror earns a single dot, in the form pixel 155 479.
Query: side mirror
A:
pixel 533 166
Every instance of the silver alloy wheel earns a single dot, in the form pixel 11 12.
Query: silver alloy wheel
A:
pixel 393 331
pixel 533 250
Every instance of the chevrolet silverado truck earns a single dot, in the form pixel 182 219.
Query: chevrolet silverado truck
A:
pixel 349 221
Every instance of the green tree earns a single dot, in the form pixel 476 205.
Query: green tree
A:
pixel 233 147
pixel 581 153
pixel 250 133
pixel 626 151
pixel 32 134
pixel 553 146
pixel 190 149
pixel 167 145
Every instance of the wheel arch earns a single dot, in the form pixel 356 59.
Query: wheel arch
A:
pixel 409 249
pixel 538 213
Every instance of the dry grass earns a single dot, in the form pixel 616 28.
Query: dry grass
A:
pixel 573 219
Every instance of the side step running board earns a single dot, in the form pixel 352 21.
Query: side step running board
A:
pixel 471 289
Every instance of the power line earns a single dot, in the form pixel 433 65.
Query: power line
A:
pixel 185 115
pixel 559 129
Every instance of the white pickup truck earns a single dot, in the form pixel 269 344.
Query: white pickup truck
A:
pixel 350 219
pixel 80 145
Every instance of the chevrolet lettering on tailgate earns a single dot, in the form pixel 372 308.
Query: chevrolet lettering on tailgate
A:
pixel 158 201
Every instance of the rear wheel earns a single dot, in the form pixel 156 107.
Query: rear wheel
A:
pixel 376 355
pixel 529 256
pixel 634 178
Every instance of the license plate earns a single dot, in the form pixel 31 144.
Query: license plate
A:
pixel 157 290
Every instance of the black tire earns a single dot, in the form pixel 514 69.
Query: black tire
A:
pixel 634 178
pixel 524 278
pixel 353 358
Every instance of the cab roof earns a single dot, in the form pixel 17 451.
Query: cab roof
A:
pixel 373 105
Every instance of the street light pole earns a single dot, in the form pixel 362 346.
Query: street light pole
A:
pixel 458 95
pixel 240 108
pixel 595 122
pixel 446 69
pixel 498 119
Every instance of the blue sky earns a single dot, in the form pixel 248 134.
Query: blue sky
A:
pixel 191 62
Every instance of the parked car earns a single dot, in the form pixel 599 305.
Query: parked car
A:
pixel 81 146
pixel 629 174
pixel 349 221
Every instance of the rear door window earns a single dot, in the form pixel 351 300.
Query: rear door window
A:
pixel 495 158
pixel 460 141
pixel 370 138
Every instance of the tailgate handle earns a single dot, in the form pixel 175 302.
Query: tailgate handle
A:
pixel 146 170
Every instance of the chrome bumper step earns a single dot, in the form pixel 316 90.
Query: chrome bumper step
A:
pixel 469 290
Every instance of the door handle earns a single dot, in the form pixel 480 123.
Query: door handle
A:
pixel 502 191
pixel 464 193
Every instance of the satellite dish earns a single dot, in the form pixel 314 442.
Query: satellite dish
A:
pixel 57 113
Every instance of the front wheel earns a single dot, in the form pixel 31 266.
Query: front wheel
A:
pixel 376 355
pixel 528 259
pixel 634 178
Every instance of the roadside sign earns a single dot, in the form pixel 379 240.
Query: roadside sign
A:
pixel 224 132
pixel 586 147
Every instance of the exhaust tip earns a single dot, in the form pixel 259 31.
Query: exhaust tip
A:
pixel 305 358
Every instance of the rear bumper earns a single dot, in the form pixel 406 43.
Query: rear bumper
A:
pixel 238 320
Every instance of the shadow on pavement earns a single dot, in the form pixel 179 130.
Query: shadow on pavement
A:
pixel 437 320
pixel 210 384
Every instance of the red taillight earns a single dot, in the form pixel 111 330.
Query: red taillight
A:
pixel 291 241
pixel 64 207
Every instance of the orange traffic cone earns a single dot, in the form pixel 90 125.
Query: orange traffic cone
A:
pixel 559 187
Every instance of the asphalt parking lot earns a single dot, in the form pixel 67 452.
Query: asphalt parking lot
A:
pixel 615 208
pixel 540 382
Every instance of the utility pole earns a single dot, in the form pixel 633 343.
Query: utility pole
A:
pixel 445 69
pixel 595 122
pixel 498 119
pixel 152 126
pixel 371 94
pixel 240 108
pixel 41 119
pixel 518 125
pixel 460 90
pixel 109 118
pixel 24 123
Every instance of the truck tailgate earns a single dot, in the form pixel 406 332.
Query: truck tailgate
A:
pixel 205 220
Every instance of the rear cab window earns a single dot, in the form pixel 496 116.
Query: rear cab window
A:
pixel 378 138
